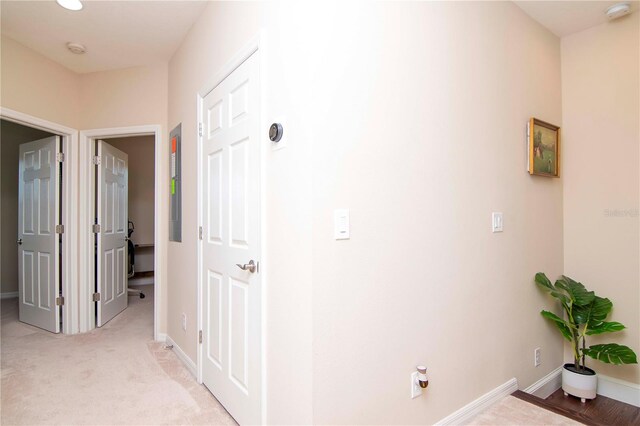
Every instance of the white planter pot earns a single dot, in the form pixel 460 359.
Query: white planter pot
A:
pixel 583 386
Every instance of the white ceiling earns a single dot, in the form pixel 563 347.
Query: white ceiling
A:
pixel 117 34
pixel 121 34
pixel 567 17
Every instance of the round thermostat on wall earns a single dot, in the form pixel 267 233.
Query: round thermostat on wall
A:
pixel 275 132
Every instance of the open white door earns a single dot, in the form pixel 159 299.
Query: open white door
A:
pixel 231 284
pixel 111 265
pixel 38 248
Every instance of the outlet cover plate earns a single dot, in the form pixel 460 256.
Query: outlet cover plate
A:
pixel 416 390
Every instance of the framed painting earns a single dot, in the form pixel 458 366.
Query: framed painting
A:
pixel 544 148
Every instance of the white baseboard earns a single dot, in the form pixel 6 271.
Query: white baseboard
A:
pixel 9 295
pixel 547 385
pixel 191 366
pixel 469 411
pixel 162 337
pixel 619 390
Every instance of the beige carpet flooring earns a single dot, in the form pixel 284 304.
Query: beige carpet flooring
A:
pixel 110 376
pixel 118 375
pixel 513 411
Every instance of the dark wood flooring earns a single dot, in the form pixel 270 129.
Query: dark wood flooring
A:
pixel 601 411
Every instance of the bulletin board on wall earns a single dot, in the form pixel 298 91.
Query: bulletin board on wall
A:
pixel 175 219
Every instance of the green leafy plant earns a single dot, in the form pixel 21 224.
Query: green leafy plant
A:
pixel 585 316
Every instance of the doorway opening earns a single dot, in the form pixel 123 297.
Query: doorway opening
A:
pixel 137 222
pixel 113 161
pixel 35 248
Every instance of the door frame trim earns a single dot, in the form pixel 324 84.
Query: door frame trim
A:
pixel 69 283
pixel 258 46
pixel 86 203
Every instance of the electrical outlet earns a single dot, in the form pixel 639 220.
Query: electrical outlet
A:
pixel 416 390
pixel 184 322
pixel 536 357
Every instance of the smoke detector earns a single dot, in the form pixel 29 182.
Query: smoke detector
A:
pixel 76 48
pixel 618 10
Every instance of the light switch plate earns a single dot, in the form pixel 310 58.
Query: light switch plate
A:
pixel 341 224
pixel 497 222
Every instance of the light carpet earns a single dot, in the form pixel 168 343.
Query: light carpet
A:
pixel 113 375
pixel 513 411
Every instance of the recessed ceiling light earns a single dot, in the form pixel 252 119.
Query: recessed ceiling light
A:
pixel 70 4
pixel 618 10
pixel 76 48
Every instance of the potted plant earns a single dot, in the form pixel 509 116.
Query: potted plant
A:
pixel 585 315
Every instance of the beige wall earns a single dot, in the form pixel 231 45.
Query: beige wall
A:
pixel 11 136
pixel 427 111
pixel 413 116
pixel 35 85
pixel 125 97
pixel 601 112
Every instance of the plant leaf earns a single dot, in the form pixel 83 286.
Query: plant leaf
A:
pixel 580 296
pixel 560 323
pixel 544 282
pixel 612 353
pixel 594 313
pixel 605 327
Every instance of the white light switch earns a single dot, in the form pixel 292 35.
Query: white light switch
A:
pixel 341 224
pixel 496 222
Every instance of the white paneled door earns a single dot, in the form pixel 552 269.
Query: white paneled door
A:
pixel 111 265
pixel 231 284
pixel 38 248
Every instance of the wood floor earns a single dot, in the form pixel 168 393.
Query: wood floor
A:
pixel 601 411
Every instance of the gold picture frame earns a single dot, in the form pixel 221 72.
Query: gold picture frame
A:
pixel 544 148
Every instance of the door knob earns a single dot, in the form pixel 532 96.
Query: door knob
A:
pixel 19 241
pixel 251 266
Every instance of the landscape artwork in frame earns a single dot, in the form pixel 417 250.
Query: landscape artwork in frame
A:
pixel 544 148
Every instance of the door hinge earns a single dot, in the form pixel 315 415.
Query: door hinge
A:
pixel 96 160
pixel 59 301
pixel 96 297
pixel 60 157
pixel 96 228
pixel 200 232
pixel 200 336
pixel 59 229
pixel 200 129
